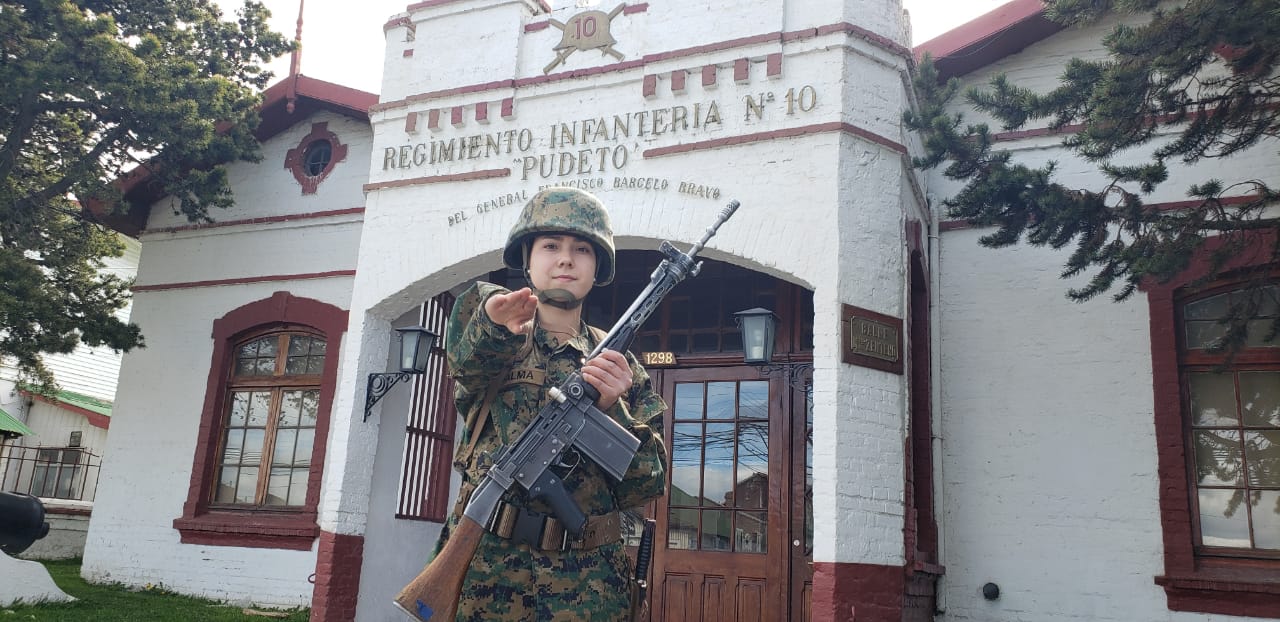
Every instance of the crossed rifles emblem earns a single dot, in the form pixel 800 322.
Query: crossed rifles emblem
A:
pixel 588 30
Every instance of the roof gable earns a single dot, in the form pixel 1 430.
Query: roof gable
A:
pixel 284 104
pixel 988 38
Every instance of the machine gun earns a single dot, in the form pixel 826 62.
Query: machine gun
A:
pixel 21 522
pixel 570 420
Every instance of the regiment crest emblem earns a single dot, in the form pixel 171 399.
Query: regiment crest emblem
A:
pixel 588 30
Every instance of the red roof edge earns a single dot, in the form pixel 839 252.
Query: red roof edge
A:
pixel 284 104
pixel 1002 32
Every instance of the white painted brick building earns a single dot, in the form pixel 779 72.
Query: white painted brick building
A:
pixel 1002 443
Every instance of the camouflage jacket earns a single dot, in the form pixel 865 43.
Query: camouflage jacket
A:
pixel 480 351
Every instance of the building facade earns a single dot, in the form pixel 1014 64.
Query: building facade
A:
pixel 919 437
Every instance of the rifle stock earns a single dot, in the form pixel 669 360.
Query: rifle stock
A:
pixel 433 594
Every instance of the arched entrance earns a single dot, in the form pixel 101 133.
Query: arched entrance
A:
pixel 734 533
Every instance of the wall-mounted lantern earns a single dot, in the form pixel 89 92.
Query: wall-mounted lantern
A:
pixel 415 347
pixel 759 327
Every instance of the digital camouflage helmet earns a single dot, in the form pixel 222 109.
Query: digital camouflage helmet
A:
pixel 563 210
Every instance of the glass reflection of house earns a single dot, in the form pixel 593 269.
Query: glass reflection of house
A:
pixel 718 531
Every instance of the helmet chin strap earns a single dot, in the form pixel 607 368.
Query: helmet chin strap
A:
pixel 559 298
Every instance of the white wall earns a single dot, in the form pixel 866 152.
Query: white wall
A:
pixel 156 420
pixel 1048 445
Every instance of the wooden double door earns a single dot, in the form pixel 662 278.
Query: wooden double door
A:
pixel 733 540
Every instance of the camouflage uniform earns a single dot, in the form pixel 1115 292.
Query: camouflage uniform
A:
pixel 514 582
pixel 507 580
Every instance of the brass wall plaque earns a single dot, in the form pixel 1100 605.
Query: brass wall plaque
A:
pixel 658 359
pixel 871 339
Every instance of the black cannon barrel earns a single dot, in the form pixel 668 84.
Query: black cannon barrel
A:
pixel 21 522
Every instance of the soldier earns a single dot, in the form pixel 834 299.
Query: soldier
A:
pixel 506 348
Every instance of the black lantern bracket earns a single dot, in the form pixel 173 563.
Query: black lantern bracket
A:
pixel 759 327
pixel 415 346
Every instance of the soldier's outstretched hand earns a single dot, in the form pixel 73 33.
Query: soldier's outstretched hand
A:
pixel 513 310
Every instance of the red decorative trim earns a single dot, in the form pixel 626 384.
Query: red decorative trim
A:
pixel 408 53
pixel 817 128
pixel 397 22
pixel 259 528
pixel 631 9
pixel 954 225
pixel 508 108
pixel 482 112
pixel 1191 583
pixel 773 66
pixel 97 420
pixel 708 75
pixel 678 78
pixel 259 220
pixel 244 280
pixel 741 70
pixel 536 26
pixel 433 119
pixel 861 592
pixel 411 123
pixel 439 179
pixel 455 116
pixel 338 561
pixel 649 86
pixel 294 159
pixel 775 37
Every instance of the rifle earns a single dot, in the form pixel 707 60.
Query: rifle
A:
pixel 569 420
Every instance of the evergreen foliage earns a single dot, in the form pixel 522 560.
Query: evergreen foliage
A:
pixel 93 88
pixel 1186 81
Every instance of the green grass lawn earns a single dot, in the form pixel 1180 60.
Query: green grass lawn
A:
pixel 116 603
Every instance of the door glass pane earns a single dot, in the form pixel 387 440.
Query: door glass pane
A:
pixel 688 401
pixel 686 463
pixel 1218 457
pixel 753 400
pixel 1262 449
pixel 716 527
pixel 720 402
pixel 1266 519
pixel 1260 398
pixel 682 529
pixel 1223 519
pixel 753 465
pixel 1203 334
pixel 1213 400
pixel 717 479
pixel 751 532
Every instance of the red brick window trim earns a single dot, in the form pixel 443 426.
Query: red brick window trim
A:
pixel 1196 578
pixel 315 156
pixel 262 526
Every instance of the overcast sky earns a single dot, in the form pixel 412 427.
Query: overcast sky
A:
pixel 342 40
